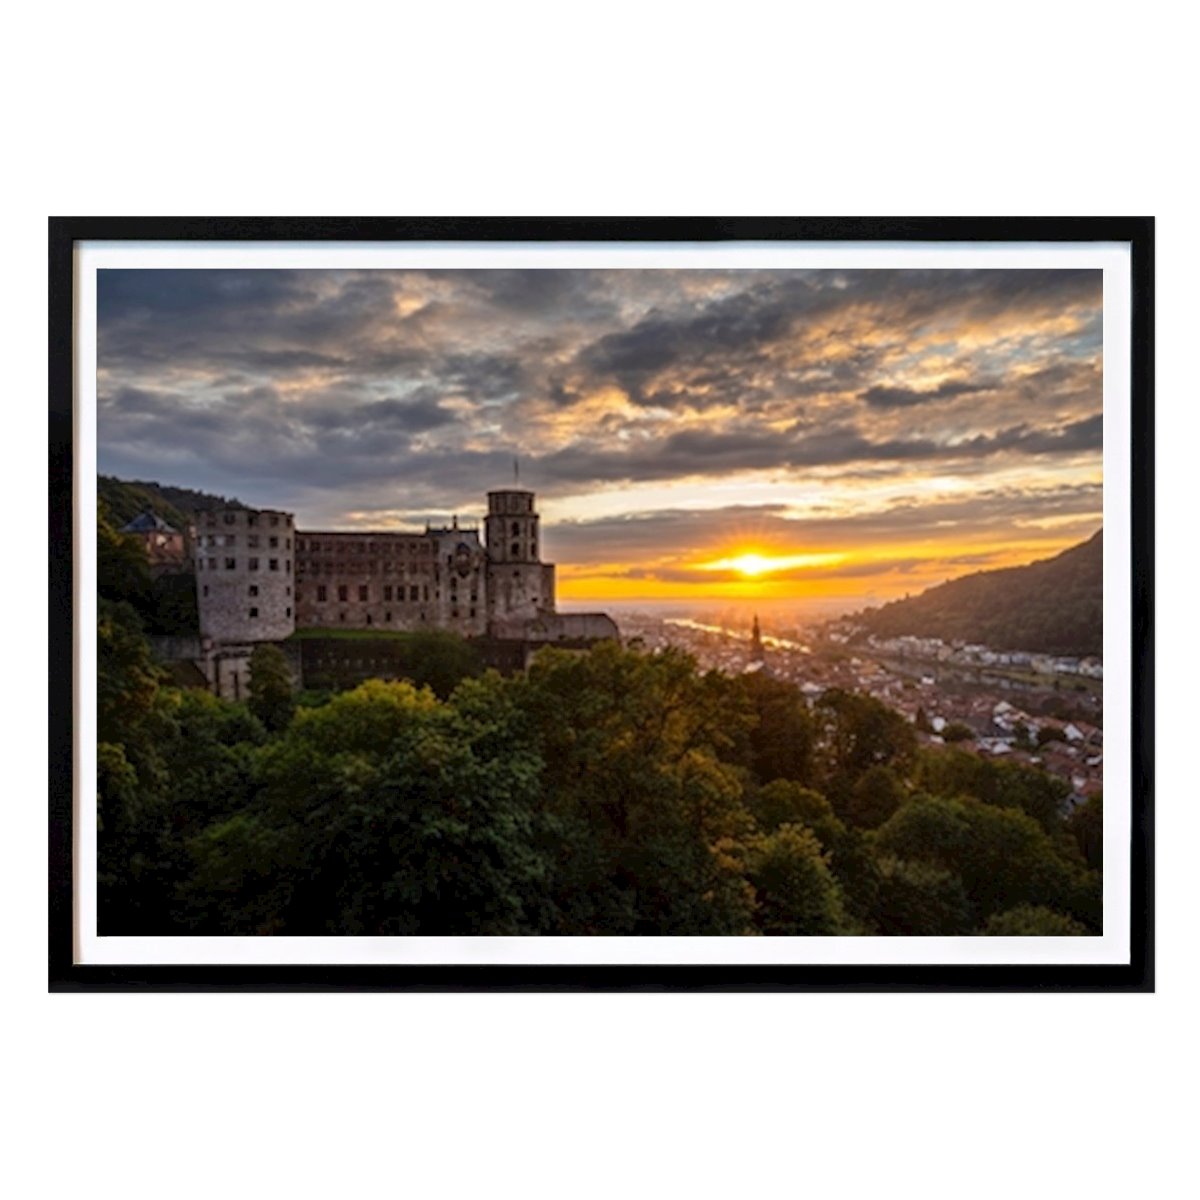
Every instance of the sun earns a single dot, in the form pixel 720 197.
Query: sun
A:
pixel 750 565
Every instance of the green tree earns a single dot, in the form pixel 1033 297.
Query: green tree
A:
pixel 1086 825
pixel 780 743
pixel 795 892
pixel 122 569
pixel 1004 857
pixel 914 899
pixel 1032 921
pixel 633 747
pixel 135 730
pixel 954 772
pixel 271 697
pixel 386 811
pixel 875 796
pixel 861 732
pixel 783 802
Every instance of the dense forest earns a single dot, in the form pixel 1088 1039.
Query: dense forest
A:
pixel 1055 606
pixel 611 792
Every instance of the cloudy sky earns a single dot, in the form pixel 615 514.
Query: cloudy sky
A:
pixel 834 437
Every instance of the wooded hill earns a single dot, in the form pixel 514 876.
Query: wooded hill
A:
pixel 125 499
pixel 1055 606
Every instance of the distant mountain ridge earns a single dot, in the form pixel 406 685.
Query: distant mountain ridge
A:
pixel 1054 606
pixel 124 499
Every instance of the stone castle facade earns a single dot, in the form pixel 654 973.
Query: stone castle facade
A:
pixel 259 579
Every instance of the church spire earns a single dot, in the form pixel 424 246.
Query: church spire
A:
pixel 756 646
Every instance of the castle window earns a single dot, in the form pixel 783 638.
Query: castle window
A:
pixel 253 564
pixel 516 529
pixel 210 519
pixel 230 518
pixel 322 594
pixel 454 613
pixel 287 612
pixel 287 567
pixel 387 592
pixel 274 543
pixel 516 550
pixel 252 541
pixel 231 564
pixel 212 564
pixel 426 592
pixel 368 618
pixel 287 543
pixel 341 617
pixel 253 613
pixel 412 592
pixel 287 591
pixel 274 564
pixel 253 589
pixel 387 616
pixel 252 519
pixel 206 589
pixel 230 540
pixel 472 612
pixel 362 592
pixel 343 594
pixel 274 520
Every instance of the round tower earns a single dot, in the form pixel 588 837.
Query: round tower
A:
pixel 511 527
pixel 245 575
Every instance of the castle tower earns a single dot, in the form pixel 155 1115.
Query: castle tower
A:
pixel 244 575
pixel 520 585
pixel 511 527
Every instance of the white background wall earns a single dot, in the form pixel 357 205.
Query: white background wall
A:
pixel 621 108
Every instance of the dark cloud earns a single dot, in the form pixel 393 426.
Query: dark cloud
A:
pixel 901 397
pixel 341 390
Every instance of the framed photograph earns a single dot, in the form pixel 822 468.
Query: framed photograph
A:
pixel 565 604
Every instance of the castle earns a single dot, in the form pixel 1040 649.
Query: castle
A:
pixel 259 579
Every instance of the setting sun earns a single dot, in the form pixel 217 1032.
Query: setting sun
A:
pixel 752 565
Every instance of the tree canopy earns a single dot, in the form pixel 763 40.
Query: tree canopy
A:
pixel 611 792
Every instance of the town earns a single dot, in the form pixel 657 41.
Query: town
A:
pixel 1038 710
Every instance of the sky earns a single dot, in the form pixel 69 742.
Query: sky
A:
pixel 827 438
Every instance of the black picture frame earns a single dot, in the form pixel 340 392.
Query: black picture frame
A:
pixel 67 975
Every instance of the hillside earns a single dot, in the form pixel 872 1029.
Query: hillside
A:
pixel 125 499
pixel 1055 606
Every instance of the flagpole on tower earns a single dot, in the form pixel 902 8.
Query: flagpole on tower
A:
pixel 516 470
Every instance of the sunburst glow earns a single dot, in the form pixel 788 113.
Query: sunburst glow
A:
pixel 753 565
